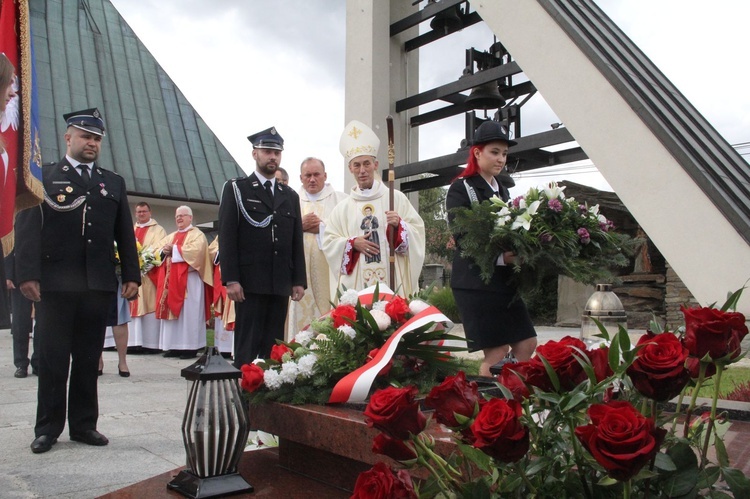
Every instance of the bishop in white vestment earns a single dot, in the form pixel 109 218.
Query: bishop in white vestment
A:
pixel 357 237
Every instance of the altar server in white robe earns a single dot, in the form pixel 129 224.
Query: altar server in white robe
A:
pixel 355 242
pixel 317 200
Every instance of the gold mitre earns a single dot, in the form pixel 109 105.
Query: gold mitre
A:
pixel 358 139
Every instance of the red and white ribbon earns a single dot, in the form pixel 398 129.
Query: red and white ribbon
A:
pixel 355 386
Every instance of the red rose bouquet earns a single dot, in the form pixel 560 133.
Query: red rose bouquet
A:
pixel 578 422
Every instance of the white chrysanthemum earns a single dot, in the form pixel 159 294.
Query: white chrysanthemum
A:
pixel 271 379
pixel 348 330
pixel 379 305
pixel 349 297
pixel 289 371
pixel 417 306
pixel 303 337
pixel 382 319
pixel 306 365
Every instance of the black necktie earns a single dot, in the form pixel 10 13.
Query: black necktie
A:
pixel 85 173
pixel 267 185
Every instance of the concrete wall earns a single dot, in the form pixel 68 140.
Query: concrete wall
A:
pixel 707 253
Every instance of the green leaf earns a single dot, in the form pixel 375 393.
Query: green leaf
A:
pixel 737 481
pixel 734 298
pixel 476 456
pixel 575 400
pixel 721 451
pixel 664 462
pixel 551 373
pixel 709 477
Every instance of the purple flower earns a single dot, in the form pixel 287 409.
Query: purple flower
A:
pixel 517 201
pixel 546 238
pixel 582 209
pixel 584 235
pixel 555 205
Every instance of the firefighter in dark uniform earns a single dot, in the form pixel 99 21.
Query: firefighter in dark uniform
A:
pixel 262 254
pixel 65 262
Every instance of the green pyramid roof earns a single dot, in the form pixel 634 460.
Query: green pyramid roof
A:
pixel 87 56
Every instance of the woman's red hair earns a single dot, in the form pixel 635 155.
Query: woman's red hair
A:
pixel 472 167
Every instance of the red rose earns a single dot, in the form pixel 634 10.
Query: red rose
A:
pixel 252 377
pixel 453 396
pixel 278 351
pixel 599 358
pixel 397 309
pixel 693 366
pixel 620 438
pixel 509 378
pixel 395 412
pixel 559 354
pixel 380 482
pixel 386 369
pixel 711 331
pixel 658 371
pixel 341 313
pixel 499 432
pixel 393 448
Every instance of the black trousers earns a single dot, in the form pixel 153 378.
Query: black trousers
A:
pixel 70 326
pixel 258 324
pixel 21 329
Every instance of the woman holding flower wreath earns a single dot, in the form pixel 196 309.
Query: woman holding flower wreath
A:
pixel 495 319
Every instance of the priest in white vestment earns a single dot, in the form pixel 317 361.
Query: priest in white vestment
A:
pixel 184 290
pixel 317 200
pixel 356 239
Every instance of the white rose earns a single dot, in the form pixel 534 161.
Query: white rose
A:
pixel 382 319
pixel 417 306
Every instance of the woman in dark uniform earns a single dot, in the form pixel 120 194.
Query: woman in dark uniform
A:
pixel 495 320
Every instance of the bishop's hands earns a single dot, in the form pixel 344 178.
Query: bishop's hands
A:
pixel 392 218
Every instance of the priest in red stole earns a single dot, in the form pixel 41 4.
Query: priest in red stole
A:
pixel 184 289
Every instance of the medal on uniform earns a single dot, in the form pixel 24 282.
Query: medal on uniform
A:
pixel 65 168
pixel 103 191
pixel 68 189
pixel 60 198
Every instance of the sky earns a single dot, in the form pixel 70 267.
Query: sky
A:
pixel 246 65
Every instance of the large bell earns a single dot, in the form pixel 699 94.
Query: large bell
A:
pixel 448 21
pixel 485 96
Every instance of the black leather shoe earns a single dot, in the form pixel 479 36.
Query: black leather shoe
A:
pixel 42 443
pixel 21 372
pixel 90 437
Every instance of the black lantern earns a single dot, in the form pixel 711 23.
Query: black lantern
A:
pixel 214 429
